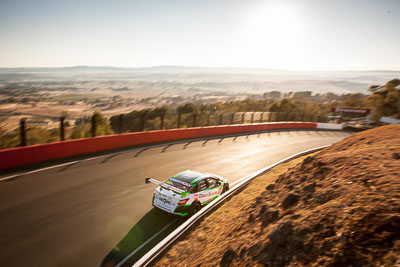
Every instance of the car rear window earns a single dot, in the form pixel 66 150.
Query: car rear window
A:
pixel 175 182
pixel 183 180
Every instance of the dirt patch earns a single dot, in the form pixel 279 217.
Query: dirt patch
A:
pixel 338 207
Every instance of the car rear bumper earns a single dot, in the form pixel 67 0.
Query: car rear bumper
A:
pixel 180 210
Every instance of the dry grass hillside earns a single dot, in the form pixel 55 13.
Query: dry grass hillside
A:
pixel 338 207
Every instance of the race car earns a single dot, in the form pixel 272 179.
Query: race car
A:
pixel 185 193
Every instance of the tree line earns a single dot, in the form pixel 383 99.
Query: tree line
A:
pixel 383 100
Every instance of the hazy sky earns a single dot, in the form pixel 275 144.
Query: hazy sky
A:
pixel 297 34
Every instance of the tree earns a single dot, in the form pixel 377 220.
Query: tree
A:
pixel 285 105
pixel 385 100
pixel 354 100
pixel 160 112
pixel 102 124
pixel 184 109
pixel 77 133
pixel 187 108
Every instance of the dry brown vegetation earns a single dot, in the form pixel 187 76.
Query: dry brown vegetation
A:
pixel 338 207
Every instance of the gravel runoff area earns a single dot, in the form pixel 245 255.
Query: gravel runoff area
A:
pixel 337 207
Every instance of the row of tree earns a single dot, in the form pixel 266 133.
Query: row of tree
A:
pixel 383 100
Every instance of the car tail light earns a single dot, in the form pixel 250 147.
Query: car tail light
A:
pixel 183 201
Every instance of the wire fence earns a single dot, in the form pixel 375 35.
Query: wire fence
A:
pixel 18 131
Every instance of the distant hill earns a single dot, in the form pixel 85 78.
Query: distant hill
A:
pixel 174 69
pixel 63 69
pixel 252 80
pixel 195 69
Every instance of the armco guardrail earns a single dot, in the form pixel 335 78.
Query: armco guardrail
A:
pixel 329 126
pixel 22 156
pixel 161 247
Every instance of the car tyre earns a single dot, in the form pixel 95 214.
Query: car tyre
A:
pixel 194 208
pixel 226 188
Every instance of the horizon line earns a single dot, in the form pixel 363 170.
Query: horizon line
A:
pixel 206 67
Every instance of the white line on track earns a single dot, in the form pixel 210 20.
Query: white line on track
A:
pixel 145 243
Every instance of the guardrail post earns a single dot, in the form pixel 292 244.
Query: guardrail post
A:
pixel 243 114
pixel 179 121
pixel 62 132
pixel 143 121
pixel 22 131
pixel 94 125
pixel 220 118
pixel 252 117
pixel 194 119
pixel 162 121
pixel 120 123
pixel 261 117
pixel 232 117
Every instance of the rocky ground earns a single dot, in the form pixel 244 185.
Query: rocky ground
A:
pixel 338 207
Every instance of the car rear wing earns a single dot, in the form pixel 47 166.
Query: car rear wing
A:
pixel 164 185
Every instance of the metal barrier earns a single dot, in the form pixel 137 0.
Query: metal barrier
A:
pixel 123 124
pixel 27 155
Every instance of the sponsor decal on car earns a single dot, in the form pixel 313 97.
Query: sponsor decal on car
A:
pixel 208 194
pixel 164 200
pixel 180 182
pixel 159 195
pixel 196 197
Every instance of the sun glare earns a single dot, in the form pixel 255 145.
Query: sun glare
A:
pixel 275 19
pixel 275 31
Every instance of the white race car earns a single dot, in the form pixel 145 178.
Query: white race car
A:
pixel 185 193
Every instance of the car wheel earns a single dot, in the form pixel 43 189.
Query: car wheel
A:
pixel 226 188
pixel 194 209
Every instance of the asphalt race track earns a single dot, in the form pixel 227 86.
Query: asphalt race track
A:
pixel 99 210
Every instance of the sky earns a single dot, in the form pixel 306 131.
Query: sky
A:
pixel 277 34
